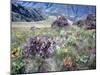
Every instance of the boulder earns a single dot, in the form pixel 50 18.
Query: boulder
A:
pixel 91 21
pixel 88 23
pixel 60 22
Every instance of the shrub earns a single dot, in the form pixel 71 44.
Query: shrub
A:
pixel 17 66
pixel 39 46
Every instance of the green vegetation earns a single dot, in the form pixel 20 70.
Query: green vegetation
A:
pixel 74 50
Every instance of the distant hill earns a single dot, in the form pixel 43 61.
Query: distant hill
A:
pixel 21 14
pixel 37 11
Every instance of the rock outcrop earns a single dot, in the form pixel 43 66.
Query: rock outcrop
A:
pixel 60 22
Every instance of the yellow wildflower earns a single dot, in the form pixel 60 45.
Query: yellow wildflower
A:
pixel 65 50
pixel 15 52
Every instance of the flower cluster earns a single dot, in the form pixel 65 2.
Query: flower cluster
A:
pixel 43 47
